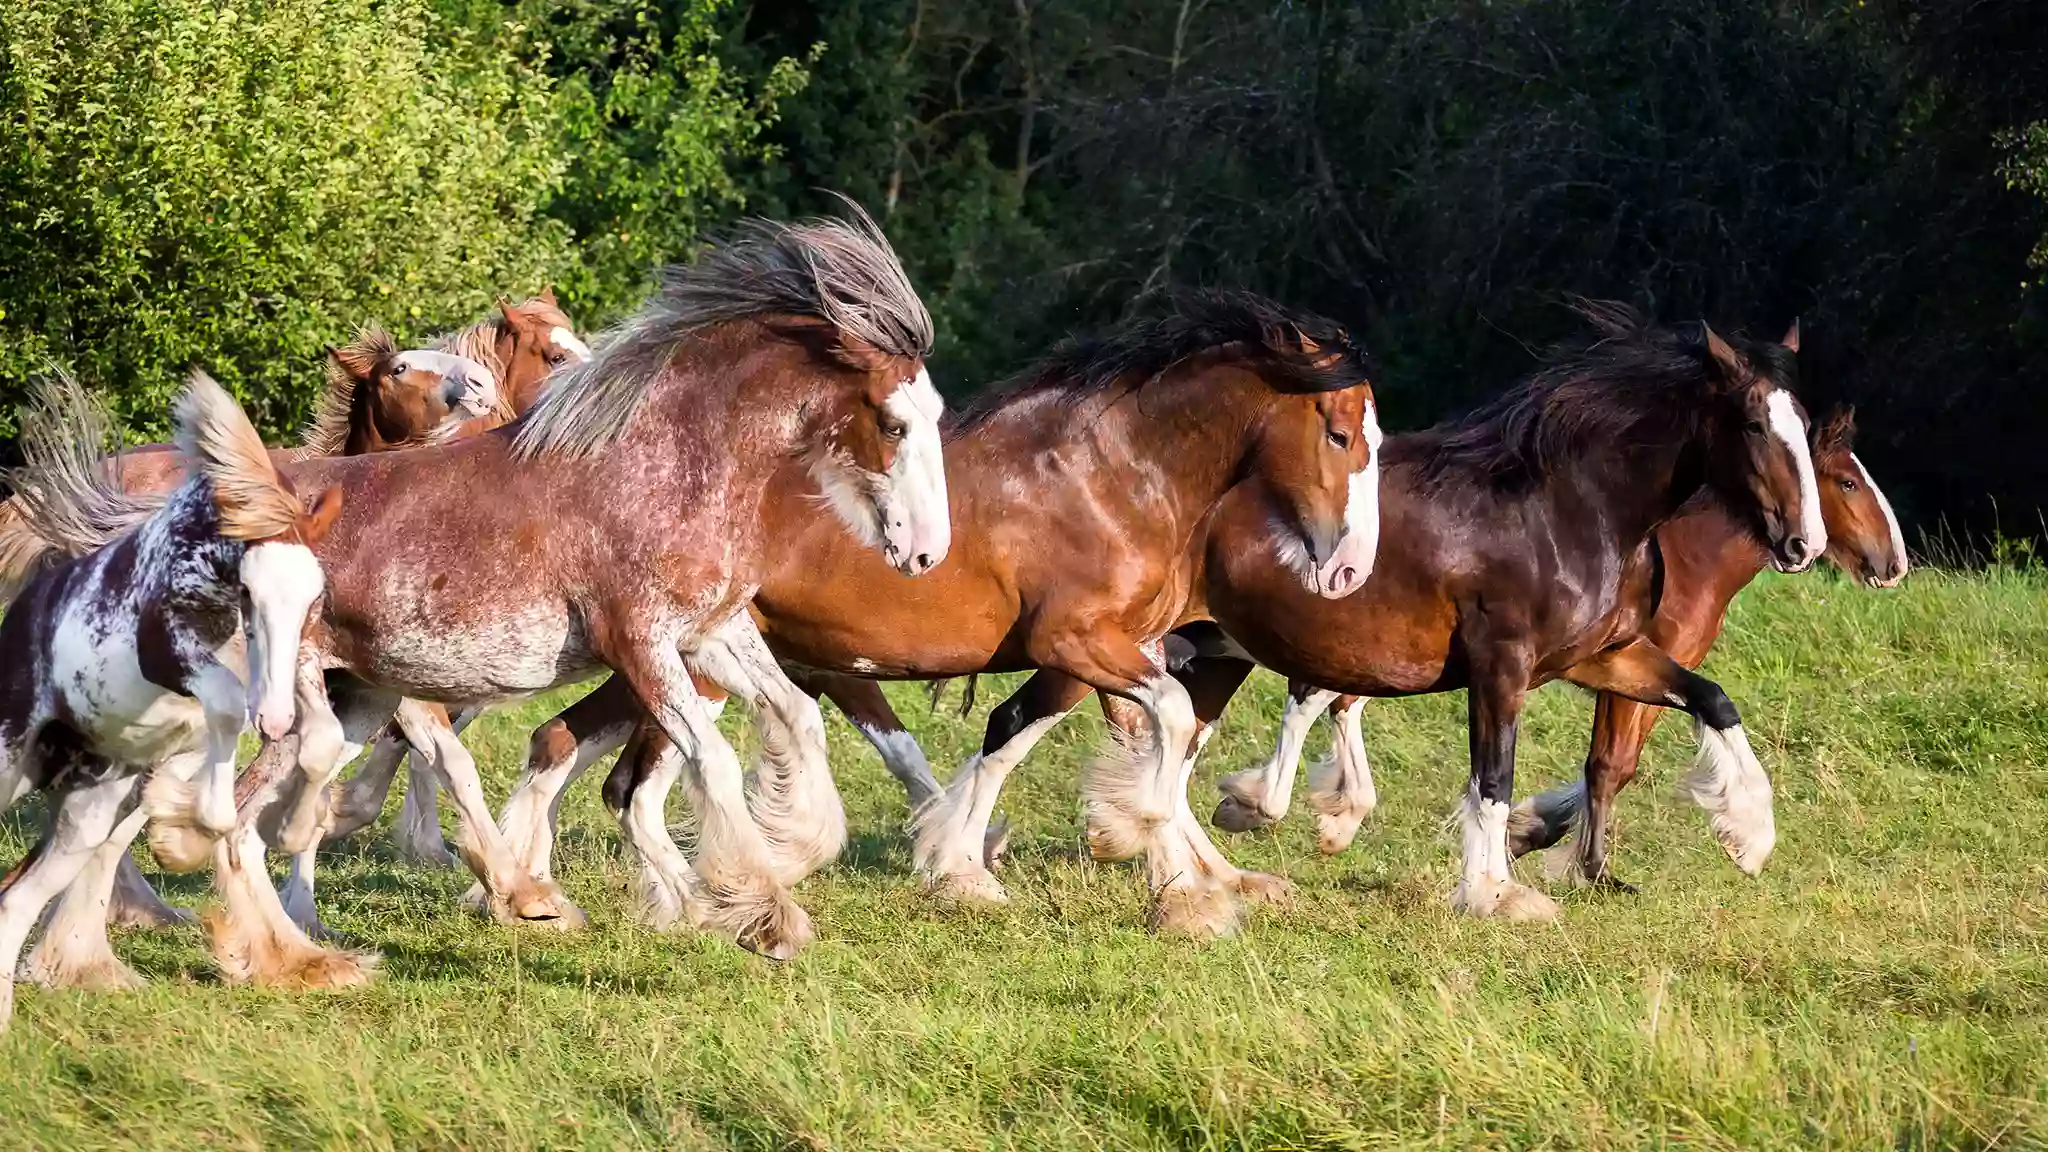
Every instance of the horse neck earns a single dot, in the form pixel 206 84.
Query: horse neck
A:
pixel 365 434
pixel 1188 438
pixel 1631 484
pixel 182 562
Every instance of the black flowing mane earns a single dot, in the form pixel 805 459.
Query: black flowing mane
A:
pixel 1637 383
pixel 1143 350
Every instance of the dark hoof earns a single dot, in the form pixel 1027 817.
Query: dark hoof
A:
pixel 1607 882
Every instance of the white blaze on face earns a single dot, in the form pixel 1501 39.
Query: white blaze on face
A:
pixel 282 580
pixel 566 340
pixel 1788 428
pixel 1891 521
pixel 466 383
pixel 911 505
pixel 1346 570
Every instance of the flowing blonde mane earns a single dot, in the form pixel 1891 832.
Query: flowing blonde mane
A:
pixel 223 446
pixel 327 433
pixel 839 271
pixel 65 502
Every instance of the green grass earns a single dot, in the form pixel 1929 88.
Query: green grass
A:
pixel 1884 983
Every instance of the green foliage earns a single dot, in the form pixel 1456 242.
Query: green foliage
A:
pixel 237 185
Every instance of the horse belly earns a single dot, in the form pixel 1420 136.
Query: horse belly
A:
pixel 465 661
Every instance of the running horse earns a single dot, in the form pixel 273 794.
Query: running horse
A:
pixel 1508 533
pixel 624 523
pixel 378 397
pixel 144 658
pixel 1690 572
pixel 1119 449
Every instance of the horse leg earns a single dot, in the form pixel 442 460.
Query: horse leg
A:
pixel 869 711
pixel 358 801
pixel 796 803
pixel 1134 797
pixel 559 752
pixel 1340 789
pixel 1486 886
pixel 741 896
pixel 1620 728
pixel 1257 797
pixel 417 833
pixel 74 951
pixel 950 833
pixel 1726 779
pixel 514 896
pixel 191 799
pixel 636 792
pixel 83 820
pixel 135 904
pixel 1211 684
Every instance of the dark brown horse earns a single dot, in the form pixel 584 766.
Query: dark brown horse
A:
pixel 1707 557
pixel 1691 571
pixel 1083 496
pixel 625 523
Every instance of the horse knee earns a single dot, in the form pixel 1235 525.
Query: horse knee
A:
pixel 552 746
pixel 1712 705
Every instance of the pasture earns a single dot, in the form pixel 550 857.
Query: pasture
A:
pixel 1885 982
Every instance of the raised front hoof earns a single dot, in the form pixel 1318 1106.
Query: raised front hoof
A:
pixel 1503 900
pixel 771 925
pixel 1334 833
pixel 180 847
pixel 1750 853
pixel 347 823
pixel 973 887
pixel 100 973
pixel 1235 815
pixel 1265 888
pixel 271 962
pixel 1208 912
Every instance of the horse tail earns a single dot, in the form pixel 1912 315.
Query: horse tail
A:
pixel 253 501
pixel 66 503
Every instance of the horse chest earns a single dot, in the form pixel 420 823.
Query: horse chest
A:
pixel 103 690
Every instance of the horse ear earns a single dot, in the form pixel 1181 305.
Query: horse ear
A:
pixel 1724 356
pixel 1791 339
pixel 548 294
pixel 506 310
pixel 314 524
pixel 1839 430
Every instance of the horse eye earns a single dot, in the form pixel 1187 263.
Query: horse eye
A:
pixel 1754 427
pixel 893 430
pixel 1848 485
pixel 1341 439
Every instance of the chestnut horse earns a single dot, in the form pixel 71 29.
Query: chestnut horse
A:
pixel 1691 570
pixel 1082 493
pixel 146 657
pixel 624 523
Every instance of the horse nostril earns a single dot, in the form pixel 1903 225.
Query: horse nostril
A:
pixel 1345 578
pixel 924 562
pixel 1795 546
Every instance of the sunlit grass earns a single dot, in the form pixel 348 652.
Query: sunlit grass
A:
pixel 1884 982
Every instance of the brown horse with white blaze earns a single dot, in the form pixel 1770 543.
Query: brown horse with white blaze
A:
pixel 1082 495
pixel 1685 577
pixel 625 523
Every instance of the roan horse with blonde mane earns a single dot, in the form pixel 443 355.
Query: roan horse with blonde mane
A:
pixel 624 523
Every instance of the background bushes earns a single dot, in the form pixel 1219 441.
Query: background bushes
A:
pixel 238 183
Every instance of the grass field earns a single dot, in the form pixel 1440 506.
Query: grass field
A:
pixel 1884 983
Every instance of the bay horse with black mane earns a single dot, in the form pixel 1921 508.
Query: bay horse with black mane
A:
pixel 624 523
pixel 1081 494
pixel 146 657
pixel 1686 576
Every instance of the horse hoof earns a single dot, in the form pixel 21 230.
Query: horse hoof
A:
pixel 180 847
pixel 994 843
pixel 783 933
pixel 976 887
pixel 1235 815
pixel 1205 913
pixel 1265 888
pixel 1334 833
pixel 1608 882
pixel 1506 899
pixel 548 907
pixel 96 974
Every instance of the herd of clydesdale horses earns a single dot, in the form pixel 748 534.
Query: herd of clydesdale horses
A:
pixel 750 488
